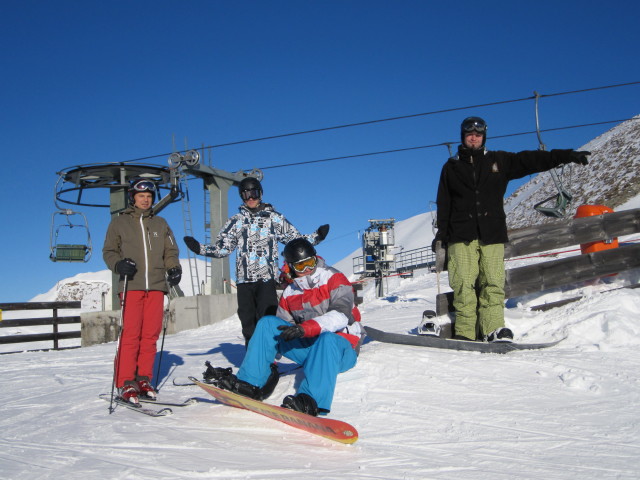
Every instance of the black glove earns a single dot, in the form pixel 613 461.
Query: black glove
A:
pixel 579 157
pixel 436 239
pixel 173 276
pixel 322 232
pixel 192 244
pixel 291 332
pixel 126 267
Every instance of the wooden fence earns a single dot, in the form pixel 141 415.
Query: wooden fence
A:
pixel 55 336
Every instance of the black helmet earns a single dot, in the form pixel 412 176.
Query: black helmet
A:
pixel 473 124
pixel 142 185
pixel 252 187
pixel 298 250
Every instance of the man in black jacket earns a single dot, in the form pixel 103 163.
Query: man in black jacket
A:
pixel 472 223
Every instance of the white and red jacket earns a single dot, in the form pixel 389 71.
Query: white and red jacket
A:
pixel 322 302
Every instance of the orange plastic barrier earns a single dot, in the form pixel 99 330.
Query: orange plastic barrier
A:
pixel 590 211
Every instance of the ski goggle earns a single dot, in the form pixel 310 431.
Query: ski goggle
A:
pixel 305 264
pixel 144 186
pixel 474 126
pixel 251 193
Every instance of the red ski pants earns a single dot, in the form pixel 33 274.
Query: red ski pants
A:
pixel 142 323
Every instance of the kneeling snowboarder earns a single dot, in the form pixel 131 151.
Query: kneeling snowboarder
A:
pixel 317 326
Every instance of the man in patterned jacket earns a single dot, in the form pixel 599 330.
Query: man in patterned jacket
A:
pixel 317 326
pixel 255 232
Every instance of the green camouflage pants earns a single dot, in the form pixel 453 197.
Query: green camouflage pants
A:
pixel 470 263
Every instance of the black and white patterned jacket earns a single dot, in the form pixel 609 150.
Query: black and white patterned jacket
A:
pixel 255 235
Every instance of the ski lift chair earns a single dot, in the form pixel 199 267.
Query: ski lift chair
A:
pixel 562 200
pixel 563 197
pixel 66 252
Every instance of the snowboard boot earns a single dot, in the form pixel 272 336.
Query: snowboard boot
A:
pixel 231 383
pixel 212 374
pixel 129 392
pixel 500 335
pixel 224 379
pixel 145 388
pixel 301 403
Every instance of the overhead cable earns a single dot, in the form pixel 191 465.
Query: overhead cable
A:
pixel 443 144
pixel 389 119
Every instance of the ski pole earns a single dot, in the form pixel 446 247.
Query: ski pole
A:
pixel 164 330
pixel 116 366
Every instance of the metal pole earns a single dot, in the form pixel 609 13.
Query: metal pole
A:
pixel 116 365
pixel 164 332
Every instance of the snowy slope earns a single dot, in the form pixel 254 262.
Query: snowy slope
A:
pixel 563 413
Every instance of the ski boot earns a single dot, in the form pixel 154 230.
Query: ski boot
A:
pixel 129 392
pixel 145 389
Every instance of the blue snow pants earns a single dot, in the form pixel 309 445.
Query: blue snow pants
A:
pixel 322 358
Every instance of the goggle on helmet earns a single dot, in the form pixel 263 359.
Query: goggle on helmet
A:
pixel 250 187
pixel 139 186
pixel 473 124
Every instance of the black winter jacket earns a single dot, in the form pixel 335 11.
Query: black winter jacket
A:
pixel 472 187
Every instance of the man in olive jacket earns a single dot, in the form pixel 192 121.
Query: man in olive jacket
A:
pixel 141 247
pixel 472 223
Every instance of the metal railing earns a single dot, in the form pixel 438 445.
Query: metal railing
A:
pixel 404 261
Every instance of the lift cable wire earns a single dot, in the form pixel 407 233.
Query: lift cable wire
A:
pixel 444 144
pixel 402 117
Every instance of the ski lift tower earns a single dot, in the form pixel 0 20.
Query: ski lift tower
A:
pixel 377 243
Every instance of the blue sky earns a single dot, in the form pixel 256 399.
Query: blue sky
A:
pixel 99 82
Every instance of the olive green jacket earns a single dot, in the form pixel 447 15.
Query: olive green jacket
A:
pixel 147 240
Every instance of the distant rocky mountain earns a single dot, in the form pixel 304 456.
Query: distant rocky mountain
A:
pixel 611 178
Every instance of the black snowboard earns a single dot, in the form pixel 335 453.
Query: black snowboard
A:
pixel 437 342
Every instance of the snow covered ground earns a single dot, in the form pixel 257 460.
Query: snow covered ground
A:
pixel 567 412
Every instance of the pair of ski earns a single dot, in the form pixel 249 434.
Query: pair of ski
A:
pixel 428 336
pixel 140 408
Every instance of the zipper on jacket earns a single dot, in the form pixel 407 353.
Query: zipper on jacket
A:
pixel 146 254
